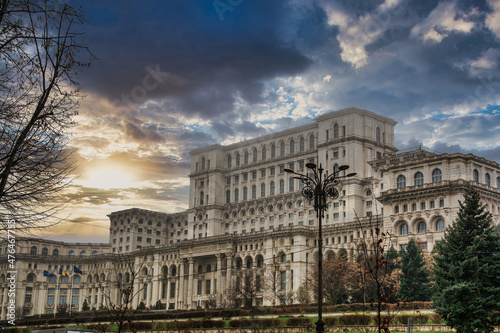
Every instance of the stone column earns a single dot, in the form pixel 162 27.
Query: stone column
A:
pixel 190 283
pixel 180 286
pixel 219 279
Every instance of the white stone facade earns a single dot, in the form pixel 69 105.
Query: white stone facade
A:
pixel 247 218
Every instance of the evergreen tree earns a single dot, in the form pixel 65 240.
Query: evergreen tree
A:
pixel 415 278
pixel 467 269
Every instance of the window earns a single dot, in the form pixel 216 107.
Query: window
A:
pixel 283 280
pixel 254 155
pixel 282 186
pixel 292 146
pixel 291 185
pixel 273 151
pixel 264 153
pixel 440 225
pixel 245 193
pixel 498 182
pixel 403 229
pixel 311 141
pixel 262 190
pixel 254 174
pixel 396 209
pixel 487 179
pixel 401 181
pixel 228 196
pixel 282 149
pixel 433 204
pixel 237 159
pixel 377 134
pixel 55 253
pixel 475 175
pixel 245 157
pixel 202 195
pixel 272 188
pixel 71 253
pixel 33 250
pixel 422 205
pixel 207 286
pixel 263 172
pixel 418 179
pixel 437 175
pixel 229 161
pixel 336 131
pixel 254 191
pixel 421 227
pixel 236 195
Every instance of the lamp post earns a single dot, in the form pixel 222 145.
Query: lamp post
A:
pixel 318 189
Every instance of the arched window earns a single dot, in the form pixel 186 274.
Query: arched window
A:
pixel 202 195
pixel 273 151
pixel 301 144
pixel 254 191
pixel 237 159
pixel 272 188
pixel 283 258
pixel 368 192
pixel 53 279
pixel 282 149
pixel 209 268
pixel 94 253
pixel 377 134
pixel 33 250
pixel 437 175
pixel 311 141
pixel 83 253
pixel 260 261
pixel 290 185
pixel 249 263
pixel 401 181
pixel 55 253
pixel 264 153
pixel 282 186
pixel 45 252
pixel 239 263
pixel 487 179
pixel 262 190
pixel 245 193
pixel 421 227
pixel 403 229
pixel 65 279
pixel 174 270
pixel 30 278
pixel 292 146
pixel 228 196
pixel 418 179
pixel 475 175
pixel 200 269
pixel 440 225
pixel 76 279
pixel 229 161
pixel 254 155
pixel 245 158
pixel 203 163
pixel 236 195
pixel 336 131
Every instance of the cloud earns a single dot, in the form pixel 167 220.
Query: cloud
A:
pixel 493 18
pixel 484 65
pixel 442 21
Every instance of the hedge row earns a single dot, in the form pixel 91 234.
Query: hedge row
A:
pixel 255 323
pixel 91 316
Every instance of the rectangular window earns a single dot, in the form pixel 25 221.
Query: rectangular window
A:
pixel 75 299
pixel 290 215
pixel 254 174
pixel 52 290
pixel 405 208
pixel 441 203
pixel 301 165
pixel 422 205
pixel 396 209
pixel 282 168
pixel 50 299
pixel 336 215
pixel 413 206
pixel 63 299
pixel 433 204
pixel 283 280
pixel 263 172
pixel 336 154
pixel 311 222
pixel 199 287
pixel 236 179
pixel 369 203
pixel 27 299
pixel 228 180
pixel 172 290
pixel 336 204
pixel 207 286
pixel 245 176
pixel 272 171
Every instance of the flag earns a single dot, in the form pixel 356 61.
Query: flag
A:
pixel 77 270
pixel 63 273
pixel 48 274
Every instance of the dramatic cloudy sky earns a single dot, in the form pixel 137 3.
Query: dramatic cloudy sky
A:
pixel 171 76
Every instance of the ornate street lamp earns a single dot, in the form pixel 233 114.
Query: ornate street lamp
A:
pixel 317 189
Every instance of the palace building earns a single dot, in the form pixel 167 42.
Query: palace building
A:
pixel 247 219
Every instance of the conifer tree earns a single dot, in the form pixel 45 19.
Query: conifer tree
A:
pixel 467 269
pixel 415 278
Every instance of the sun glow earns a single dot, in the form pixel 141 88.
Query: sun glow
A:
pixel 107 178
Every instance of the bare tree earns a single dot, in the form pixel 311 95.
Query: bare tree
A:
pixel 377 269
pixel 40 53
pixel 126 280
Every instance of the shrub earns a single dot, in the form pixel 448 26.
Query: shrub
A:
pixel 436 318
pixel 331 321
pixel 98 327
pixel 258 323
pixel 354 320
pixel 208 323
pixel 298 322
pixel 420 319
pixel 143 325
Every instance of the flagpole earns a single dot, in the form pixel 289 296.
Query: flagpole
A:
pixel 71 295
